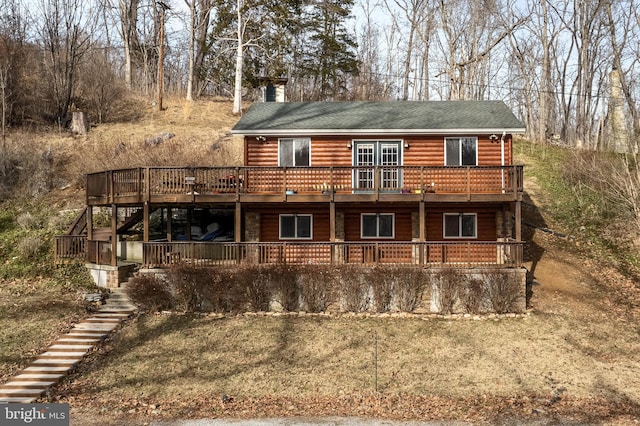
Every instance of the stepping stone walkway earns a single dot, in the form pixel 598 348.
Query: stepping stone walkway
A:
pixel 69 349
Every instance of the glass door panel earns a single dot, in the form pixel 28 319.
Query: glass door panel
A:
pixel 389 160
pixel 364 162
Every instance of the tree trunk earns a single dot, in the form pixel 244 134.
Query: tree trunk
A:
pixel 79 123
pixel 237 90
pixel 192 47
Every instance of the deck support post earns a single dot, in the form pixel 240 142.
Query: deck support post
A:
pixel 332 221
pixel 422 213
pixel 145 222
pixel 518 221
pixel 237 223
pixel 169 224
pixel 114 235
pixel 332 230
pixel 422 221
pixel 189 217
pixel 89 223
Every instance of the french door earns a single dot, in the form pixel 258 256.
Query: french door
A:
pixel 377 160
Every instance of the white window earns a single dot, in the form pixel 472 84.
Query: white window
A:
pixel 461 151
pixel 460 225
pixel 377 225
pixel 296 227
pixel 294 152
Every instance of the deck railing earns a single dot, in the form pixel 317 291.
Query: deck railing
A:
pixel 70 248
pixel 150 181
pixel 461 254
pixel 507 254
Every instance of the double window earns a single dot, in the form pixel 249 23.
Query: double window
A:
pixel 461 151
pixel 377 225
pixel 296 227
pixel 294 152
pixel 460 225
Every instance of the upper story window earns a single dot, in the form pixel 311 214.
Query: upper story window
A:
pixel 460 225
pixel 296 227
pixel 461 151
pixel 294 152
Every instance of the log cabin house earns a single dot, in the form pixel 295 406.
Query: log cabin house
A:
pixel 422 184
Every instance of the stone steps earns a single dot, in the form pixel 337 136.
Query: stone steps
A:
pixel 37 369
pixel 17 400
pixel 68 347
pixel 24 393
pixel 28 384
pixel 38 376
pixel 67 351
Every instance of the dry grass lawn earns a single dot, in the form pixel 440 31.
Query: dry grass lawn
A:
pixel 32 314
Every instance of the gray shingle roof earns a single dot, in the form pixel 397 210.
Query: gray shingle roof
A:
pixel 395 117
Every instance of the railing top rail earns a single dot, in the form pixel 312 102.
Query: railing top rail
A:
pixel 354 243
pixel 130 169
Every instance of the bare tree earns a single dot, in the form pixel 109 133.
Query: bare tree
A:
pixel 199 19
pixel 65 33
pixel 418 15
pixel 129 32
pixel 588 32
pixel 241 44
pixel 622 32
pixel 370 83
pixel 11 44
pixel 471 31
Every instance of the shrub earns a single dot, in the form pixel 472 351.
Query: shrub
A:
pixel 150 293
pixel 354 289
pixel 255 283
pixel 285 286
pixel 382 283
pixel 29 247
pixel 73 276
pixel 27 221
pixel 316 285
pixel 503 291
pixel 226 292
pixel 472 294
pixel 447 283
pixel 192 287
pixel 409 286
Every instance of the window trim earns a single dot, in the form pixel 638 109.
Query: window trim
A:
pixel 295 216
pixel 377 236
pixel 308 140
pixel 460 216
pixel 460 138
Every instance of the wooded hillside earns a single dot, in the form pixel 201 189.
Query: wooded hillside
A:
pixel 569 69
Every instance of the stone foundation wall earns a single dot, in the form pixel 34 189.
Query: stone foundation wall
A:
pixel 430 298
pixel 111 276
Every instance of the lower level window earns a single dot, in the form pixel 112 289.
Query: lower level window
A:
pixel 377 225
pixel 296 226
pixel 460 225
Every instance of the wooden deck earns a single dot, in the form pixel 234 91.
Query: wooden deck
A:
pixel 304 184
pixel 429 254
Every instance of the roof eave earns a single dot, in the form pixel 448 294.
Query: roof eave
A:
pixel 364 132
